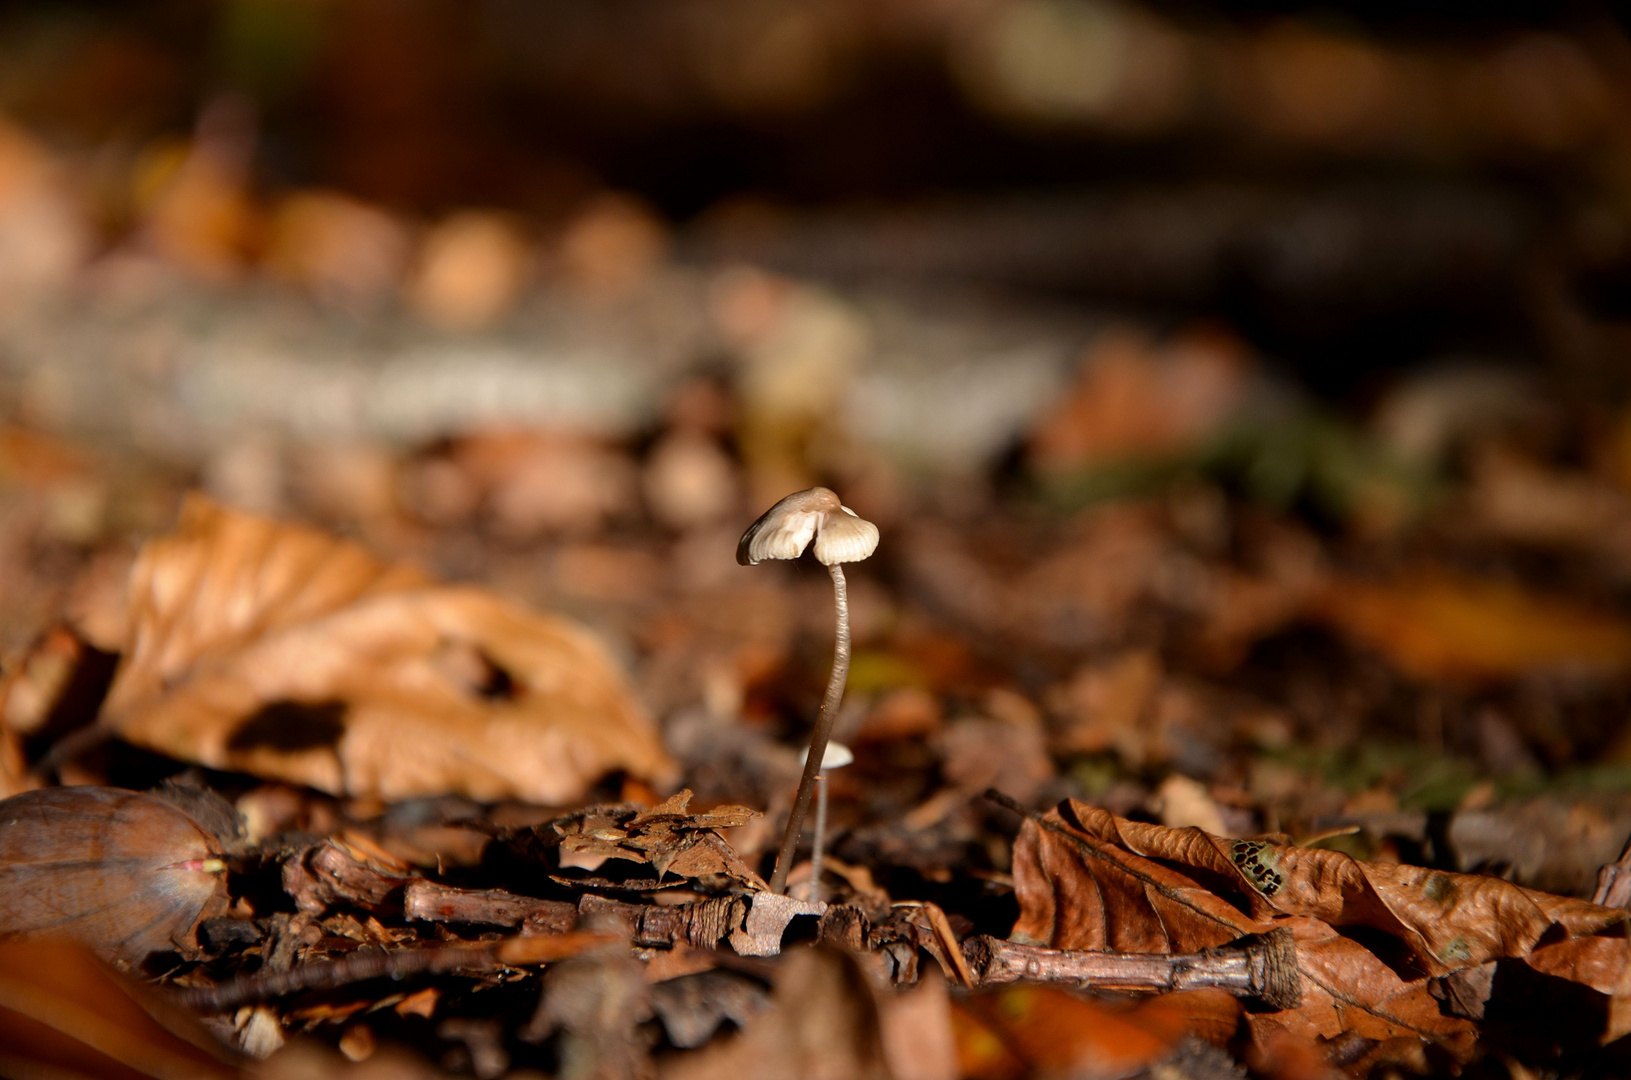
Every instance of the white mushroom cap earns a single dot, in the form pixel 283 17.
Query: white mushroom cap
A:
pixel 786 529
pixel 836 756
pixel 845 537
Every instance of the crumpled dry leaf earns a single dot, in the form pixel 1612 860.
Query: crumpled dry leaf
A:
pixel 277 650
pixel 1516 499
pixel 667 838
pixel 1601 963
pixel 344 251
pixel 124 873
pixel 1369 936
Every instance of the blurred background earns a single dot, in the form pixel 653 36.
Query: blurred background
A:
pixel 1241 388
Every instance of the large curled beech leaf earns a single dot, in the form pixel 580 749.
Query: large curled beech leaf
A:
pixel 281 651
pixel 123 873
pixel 1370 936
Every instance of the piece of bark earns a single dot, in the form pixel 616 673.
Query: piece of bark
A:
pixel 331 873
pixel 429 901
pixel 845 926
pixel 767 919
pixel 703 924
pixel 1264 968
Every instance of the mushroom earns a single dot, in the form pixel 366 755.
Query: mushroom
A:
pixel 841 536
pixel 837 755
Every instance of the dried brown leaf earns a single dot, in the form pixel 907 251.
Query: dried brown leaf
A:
pixel 1603 964
pixel 667 838
pixel 280 651
pixel 1369 936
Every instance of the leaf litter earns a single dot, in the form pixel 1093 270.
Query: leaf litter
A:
pixel 462 834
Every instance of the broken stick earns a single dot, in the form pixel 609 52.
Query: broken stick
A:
pixel 1263 967
pixel 396 964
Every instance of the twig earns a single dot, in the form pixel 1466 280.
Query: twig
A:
pixel 702 924
pixel 1263 967
pixel 377 964
pixel 429 901
pixel 1007 802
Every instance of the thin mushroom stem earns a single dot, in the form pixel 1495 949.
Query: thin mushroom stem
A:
pixel 819 841
pixel 818 736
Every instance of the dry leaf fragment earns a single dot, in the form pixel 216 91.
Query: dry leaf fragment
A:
pixel 124 873
pixel 280 651
pixel 667 838
pixel 766 922
pixel 537 482
pixel 201 216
